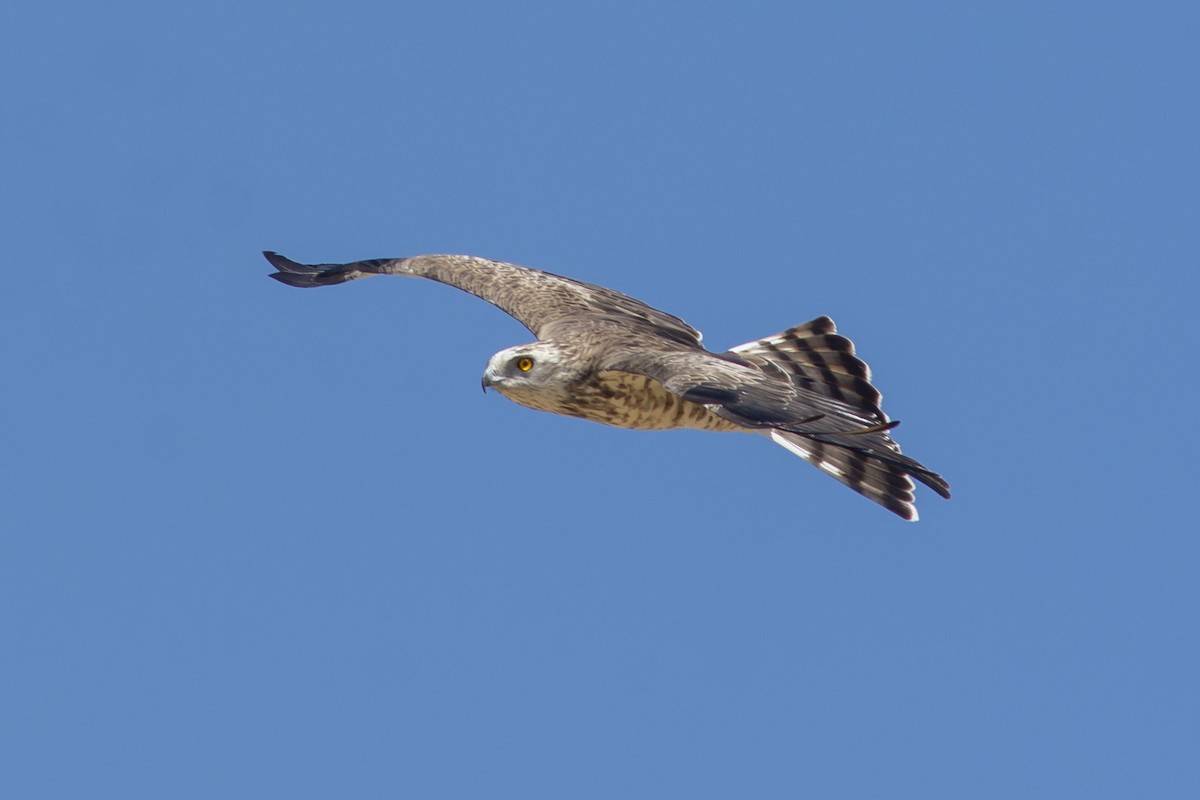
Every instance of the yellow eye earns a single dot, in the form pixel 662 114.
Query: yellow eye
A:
pixel 524 364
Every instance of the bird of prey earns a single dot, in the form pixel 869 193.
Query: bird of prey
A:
pixel 607 357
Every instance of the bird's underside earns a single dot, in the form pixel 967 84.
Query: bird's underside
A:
pixel 607 357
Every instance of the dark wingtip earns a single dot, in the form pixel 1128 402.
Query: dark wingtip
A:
pixel 285 264
pixel 292 279
pixel 290 272
pixel 293 273
pixel 933 481
pixel 941 487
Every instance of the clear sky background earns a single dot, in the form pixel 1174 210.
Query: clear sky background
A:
pixel 264 542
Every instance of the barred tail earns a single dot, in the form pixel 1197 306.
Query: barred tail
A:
pixel 891 488
pixel 813 357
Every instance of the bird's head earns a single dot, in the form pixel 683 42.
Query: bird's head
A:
pixel 530 366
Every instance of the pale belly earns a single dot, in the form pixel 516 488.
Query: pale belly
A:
pixel 624 401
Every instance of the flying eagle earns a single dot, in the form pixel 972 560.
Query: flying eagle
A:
pixel 607 357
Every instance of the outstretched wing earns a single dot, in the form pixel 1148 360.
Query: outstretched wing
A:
pixel 535 298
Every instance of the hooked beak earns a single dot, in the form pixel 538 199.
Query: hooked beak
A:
pixel 490 379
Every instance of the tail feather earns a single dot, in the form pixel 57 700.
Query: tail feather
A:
pixel 886 484
pixel 814 357
pixel 880 448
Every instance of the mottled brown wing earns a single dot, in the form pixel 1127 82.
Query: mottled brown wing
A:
pixel 535 298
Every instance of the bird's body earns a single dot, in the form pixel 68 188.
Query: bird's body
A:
pixel 622 400
pixel 606 357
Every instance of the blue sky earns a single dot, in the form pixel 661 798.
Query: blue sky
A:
pixel 261 542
